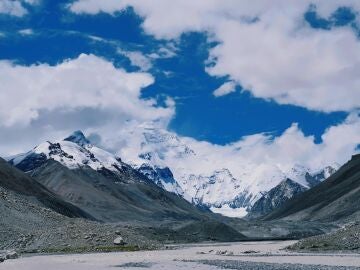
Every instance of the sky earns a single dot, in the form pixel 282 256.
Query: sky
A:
pixel 276 74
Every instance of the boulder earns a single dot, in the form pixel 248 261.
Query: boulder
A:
pixel 119 241
pixel 11 255
pixel 8 255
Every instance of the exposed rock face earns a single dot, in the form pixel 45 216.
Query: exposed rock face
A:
pixel 335 199
pixel 317 178
pixel 78 137
pixel 275 198
pixel 162 177
pixel 29 163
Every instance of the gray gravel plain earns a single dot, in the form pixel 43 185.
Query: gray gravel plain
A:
pixel 206 256
pixel 226 264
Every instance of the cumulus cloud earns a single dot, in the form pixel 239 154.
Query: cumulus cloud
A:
pixel 266 47
pixel 257 162
pixel 80 93
pixel 16 7
pixel 13 8
pixel 292 147
pixel 225 89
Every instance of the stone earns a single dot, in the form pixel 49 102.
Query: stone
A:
pixel 250 251
pixel 119 241
pixel 11 255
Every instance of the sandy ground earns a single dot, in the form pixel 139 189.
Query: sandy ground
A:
pixel 269 255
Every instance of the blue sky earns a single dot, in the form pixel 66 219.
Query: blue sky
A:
pixel 49 32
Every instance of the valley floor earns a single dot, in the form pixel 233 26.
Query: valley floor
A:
pixel 245 255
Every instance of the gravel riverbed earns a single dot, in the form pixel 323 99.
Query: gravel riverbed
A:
pixel 210 256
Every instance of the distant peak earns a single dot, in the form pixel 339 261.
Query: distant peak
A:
pixel 355 157
pixel 78 137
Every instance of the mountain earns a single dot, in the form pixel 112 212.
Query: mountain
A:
pixel 162 177
pixel 275 198
pixel 286 190
pixel 203 178
pixel 335 199
pixel 12 179
pixel 73 152
pixel 108 189
pixel 111 196
pixel 34 219
pixel 105 187
pixel 178 166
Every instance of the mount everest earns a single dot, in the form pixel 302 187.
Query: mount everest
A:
pixel 230 187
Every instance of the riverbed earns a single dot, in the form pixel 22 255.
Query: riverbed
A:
pixel 244 255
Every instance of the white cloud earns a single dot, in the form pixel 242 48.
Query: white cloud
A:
pixel 32 2
pixel 285 151
pixel 81 93
pixel 26 32
pixel 168 51
pixel 87 81
pixel 225 89
pixel 278 56
pixel 137 59
pixel 16 7
pixel 219 173
pixel 13 8
pixel 94 6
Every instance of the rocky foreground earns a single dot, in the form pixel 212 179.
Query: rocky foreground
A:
pixel 345 239
pixel 271 266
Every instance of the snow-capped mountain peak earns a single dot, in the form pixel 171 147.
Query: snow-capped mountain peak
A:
pixel 78 137
pixel 76 151
pixel 229 186
pixel 73 152
pixel 192 169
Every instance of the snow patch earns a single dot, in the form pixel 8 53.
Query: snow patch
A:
pixel 226 210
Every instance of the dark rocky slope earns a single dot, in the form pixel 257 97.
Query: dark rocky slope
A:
pixel 17 181
pixel 334 200
pixel 275 198
pixel 110 196
pixel 345 239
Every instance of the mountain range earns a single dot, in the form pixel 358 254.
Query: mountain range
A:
pixel 100 183
pixel 173 165
pixel 203 178
pixel 72 183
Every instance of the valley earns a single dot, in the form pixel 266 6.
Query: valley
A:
pixel 70 196
pixel 179 134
